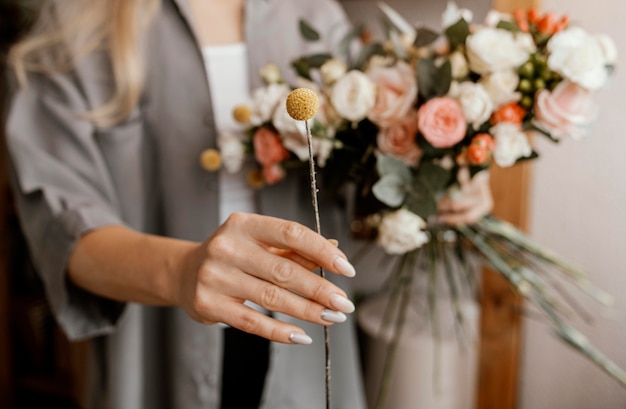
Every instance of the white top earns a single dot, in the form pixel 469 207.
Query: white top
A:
pixel 227 72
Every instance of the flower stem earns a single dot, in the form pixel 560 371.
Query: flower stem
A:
pixel 318 228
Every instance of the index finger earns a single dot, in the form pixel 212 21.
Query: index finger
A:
pixel 293 236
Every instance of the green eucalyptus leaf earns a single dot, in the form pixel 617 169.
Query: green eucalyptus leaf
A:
pixel 390 189
pixel 425 37
pixel 387 164
pixel 508 25
pixel 317 60
pixel 443 79
pixel 367 52
pixel 426 70
pixel 457 33
pixel 308 32
pixel 421 201
pixel 433 177
pixel 302 67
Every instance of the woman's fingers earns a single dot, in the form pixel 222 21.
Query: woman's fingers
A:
pixel 278 299
pixel 268 261
pixel 470 203
pixel 242 317
pixel 288 235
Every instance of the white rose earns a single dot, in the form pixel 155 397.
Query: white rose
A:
pixel 608 48
pixel 511 144
pixel 270 73
pixel 494 49
pixel 283 122
pixel 452 14
pixel 264 102
pixel 232 151
pixel 579 57
pixel 526 42
pixel 460 69
pixel 501 87
pixel 401 231
pixel 476 103
pixel 353 96
pixel 322 148
pixel 332 70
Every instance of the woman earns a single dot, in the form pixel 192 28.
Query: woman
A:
pixel 123 223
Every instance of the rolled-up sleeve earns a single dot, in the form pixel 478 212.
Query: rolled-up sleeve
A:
pixel 62 189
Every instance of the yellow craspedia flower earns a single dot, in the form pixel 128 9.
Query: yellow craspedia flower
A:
pixel 242 114
pixel 210 160
pixel 302 104
pixel 255 179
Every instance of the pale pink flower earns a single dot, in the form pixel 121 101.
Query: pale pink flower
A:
pixel 399 140
pixel 396 93
pixel 567 110
pixel 442 122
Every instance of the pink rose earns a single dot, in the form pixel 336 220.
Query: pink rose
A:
pixel 396 93
pixel 567 110
pixel 399 140
pixel 273 173
pixel 268 149
pixel 442 122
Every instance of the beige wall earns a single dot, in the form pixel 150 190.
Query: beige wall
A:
pixel 578 208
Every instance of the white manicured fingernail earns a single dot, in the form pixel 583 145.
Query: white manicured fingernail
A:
pixel 300 338
pixel 341 303
pixel 333 316
pixel 344 267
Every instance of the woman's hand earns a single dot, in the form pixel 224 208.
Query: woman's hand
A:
pixel 267 261
pixel 470 203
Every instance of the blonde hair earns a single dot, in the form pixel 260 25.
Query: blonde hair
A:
pixel 68 30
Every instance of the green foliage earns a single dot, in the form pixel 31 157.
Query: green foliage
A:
pixel 308 32
pixel 433 81
pixel 457 33
pixel 424 37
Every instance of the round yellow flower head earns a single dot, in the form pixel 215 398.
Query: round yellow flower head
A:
pixel 255 179
pixel 210 160
pixel 242 114
pixel 302 104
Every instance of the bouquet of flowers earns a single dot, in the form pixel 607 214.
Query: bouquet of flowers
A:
pixel 401 119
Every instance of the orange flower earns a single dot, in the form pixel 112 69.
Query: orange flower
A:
pixel 268 148
pixel 511 112
pixel 480 149
pixel 547 23
pixel 533 15
pixel 521 20
pixel 561 24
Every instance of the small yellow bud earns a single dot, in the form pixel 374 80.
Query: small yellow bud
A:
pixel 210 160
pixel 242 114
pixel 255 179
pixel 302 104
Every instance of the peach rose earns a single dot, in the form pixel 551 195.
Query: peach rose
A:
pixel 567 110
pixel 396 93
pixel 268 148
pixel 273 173
pixel 399 140
pixel 442 122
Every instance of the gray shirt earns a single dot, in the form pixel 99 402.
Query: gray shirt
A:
pixel 70 177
